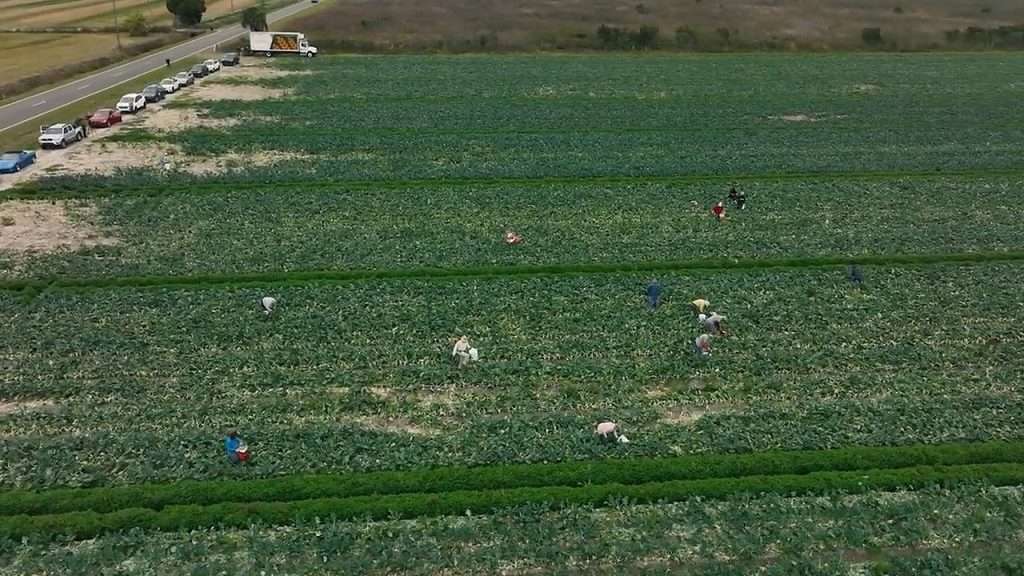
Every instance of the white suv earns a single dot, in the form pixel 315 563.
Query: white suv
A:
pixel 130 103
pixel 212 65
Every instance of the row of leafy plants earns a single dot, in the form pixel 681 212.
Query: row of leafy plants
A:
pixel 506 477
pixel 306 177
pixel 33 287
pixel 88 524
pixel 791 123
pixel 574 228
pixel 139 385
pixel 957 530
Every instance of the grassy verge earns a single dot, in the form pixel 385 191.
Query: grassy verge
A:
pixel 24 135
pixel 89 524
pixel 569 474
pixel 33 287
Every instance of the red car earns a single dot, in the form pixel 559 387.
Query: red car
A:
pixel 104 118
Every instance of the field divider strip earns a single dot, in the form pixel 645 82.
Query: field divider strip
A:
pixel 30 288
pixel 618 471
pixel 88 524
pixel 85 189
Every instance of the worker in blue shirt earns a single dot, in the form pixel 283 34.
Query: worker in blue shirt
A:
pixel 235 448
pixel 653 294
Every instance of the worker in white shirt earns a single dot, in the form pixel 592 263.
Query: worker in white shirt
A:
pixel 267 303
pixel 463 353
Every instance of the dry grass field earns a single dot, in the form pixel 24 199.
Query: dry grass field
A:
pixel 554 24
pixel 43 13
pixel 26 54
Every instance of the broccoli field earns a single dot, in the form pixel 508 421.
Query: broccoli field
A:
pixel 124 363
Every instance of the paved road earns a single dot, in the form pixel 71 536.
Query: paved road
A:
pixel 36 105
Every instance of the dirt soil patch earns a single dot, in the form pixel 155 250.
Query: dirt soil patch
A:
pixel 806 117
pixel 394 425
pixel 27 406
pixel 42 226
pixel 689 415
pixel 179 119
pixel 215 91
pixel 258 70
pixel 106 158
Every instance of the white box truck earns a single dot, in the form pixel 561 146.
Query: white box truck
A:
pixel 270 43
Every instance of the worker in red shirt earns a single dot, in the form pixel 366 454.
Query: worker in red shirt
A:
pixel 719 211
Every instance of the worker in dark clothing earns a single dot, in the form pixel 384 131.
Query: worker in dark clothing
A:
pixel 653 295
pixel 854 275
pixel 739 199
pixel 83 123
pixel 167 61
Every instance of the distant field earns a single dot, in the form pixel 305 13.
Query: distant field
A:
pixel 517 24
pixel 44 13
pixel 29 54
pixel 369 194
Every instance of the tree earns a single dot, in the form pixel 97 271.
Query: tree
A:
pixel 255 17
pixel 187 12
pixel 136 24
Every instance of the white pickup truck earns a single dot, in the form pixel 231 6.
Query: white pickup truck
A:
pixel 59 135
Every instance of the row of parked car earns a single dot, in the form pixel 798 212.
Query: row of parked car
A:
pixel 61 135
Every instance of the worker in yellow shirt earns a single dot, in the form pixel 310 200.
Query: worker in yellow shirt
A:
pixel 700 305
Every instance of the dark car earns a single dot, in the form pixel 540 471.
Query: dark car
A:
pixel 154 93
pixel 199 70
pixel 229 59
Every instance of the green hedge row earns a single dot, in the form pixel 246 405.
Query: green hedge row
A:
pixel 263 278
pixel 152 186
pixel 233 514
pixel 569 474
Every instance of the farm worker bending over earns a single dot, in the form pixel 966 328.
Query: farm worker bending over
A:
pixel 235 448
pixel 714 324
pixel 854 274
pixel 463 353
pixel 702 345
pixel 741 200
pixel 511 238
pixel 719 211
pixel 610 431
pixel 700 305
pixel 653 294
pixel 267 303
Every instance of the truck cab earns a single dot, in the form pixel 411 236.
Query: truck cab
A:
pixel 306 50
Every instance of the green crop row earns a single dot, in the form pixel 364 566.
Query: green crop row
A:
pixel 623 472
pixel 291 176
pixel 617 117
pixel 34 287
pixel 967 529
pixel 253 235
pixel 139 385
pixel 190 517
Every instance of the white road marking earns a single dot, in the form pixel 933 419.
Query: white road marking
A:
pixel 40 103
pixel 84 87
